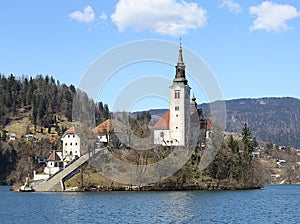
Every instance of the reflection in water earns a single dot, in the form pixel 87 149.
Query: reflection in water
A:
pixel 179 206
pixel 71 206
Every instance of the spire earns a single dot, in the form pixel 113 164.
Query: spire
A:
pixel 194 98
pixel 180 57
pixel 193 107
pixel 180 68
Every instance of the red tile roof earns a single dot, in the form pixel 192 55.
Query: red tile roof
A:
pixel 70 130
pixel 105 126
pixel 208 125
pixel 52 139
pixel 111 125
pixel 54 157
pixel 164 121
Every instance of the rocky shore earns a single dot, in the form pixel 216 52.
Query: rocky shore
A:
pixel 207 186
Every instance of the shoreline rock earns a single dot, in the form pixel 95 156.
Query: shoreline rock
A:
pixel 185 187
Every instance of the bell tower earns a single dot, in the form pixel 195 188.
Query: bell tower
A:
pixel 179 104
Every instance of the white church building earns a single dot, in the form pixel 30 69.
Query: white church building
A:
pixel 173 127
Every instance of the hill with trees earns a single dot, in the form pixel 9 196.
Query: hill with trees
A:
pixel 42 99
pixel 40 107
pixel 271 119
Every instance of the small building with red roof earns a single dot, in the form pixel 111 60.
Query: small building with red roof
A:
pixel 54 164
pixel 106 128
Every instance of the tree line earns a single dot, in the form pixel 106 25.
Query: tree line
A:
pixel 43 98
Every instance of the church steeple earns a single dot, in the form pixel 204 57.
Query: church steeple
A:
pixel 193 105
pixel 180 68
pixel 180 57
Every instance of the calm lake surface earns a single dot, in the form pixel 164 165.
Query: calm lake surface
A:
pixel 272 204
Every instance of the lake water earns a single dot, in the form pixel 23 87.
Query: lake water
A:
pixel 272 204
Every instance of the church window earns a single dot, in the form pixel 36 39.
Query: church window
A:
pixel 73 136
pixel 76 143
pixel 66 144
pixel 177 94
pixel 71 143
pixel 177 108
pixel 176 127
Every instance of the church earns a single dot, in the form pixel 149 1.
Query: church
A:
pixel 174 126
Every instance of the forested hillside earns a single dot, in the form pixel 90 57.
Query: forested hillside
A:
pixel 275 120
pixel 41 107
pixel 42 97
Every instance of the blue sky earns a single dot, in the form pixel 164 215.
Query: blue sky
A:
pixel 252 47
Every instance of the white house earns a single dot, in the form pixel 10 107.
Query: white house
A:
pixel 53 165
pixel 71 145
pixel 103 131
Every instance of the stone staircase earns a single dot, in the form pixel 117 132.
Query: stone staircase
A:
pixel 56 182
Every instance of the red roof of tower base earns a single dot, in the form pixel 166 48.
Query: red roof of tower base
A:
pixel 164 121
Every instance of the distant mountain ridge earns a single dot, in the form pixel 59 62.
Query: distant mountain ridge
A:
pixel 272 119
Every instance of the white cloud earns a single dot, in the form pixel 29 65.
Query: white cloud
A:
pixel 87 15
pixel 272 16
pixel 161 16
pixel 232 6
pixel 103 16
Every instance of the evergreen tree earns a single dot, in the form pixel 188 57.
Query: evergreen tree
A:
pixel 247 142
pixel 233 144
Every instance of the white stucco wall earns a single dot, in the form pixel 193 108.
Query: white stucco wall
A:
pixel 161 137
pixel 179 114
pixel 40 176
pixel 71 146
pixel 103 138
pixel 51 170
